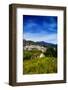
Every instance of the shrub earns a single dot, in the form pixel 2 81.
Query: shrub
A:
pixel 51 52
pixel 40 66
pixel 28 54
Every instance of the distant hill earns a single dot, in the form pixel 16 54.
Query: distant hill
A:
pixel 40 43
pixel 45 44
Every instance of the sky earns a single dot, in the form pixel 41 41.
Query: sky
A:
pixel 40 28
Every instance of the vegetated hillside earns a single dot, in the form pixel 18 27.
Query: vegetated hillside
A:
pixel 44 65
pixel 47 48
pixel 39 57
pixel 33 64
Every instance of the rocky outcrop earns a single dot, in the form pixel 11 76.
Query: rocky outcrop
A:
pixel 31 47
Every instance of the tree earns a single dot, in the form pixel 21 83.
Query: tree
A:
pixel 51 52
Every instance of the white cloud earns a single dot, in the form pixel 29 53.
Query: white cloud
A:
pixel 50 38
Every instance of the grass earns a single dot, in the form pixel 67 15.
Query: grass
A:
pixel 40 65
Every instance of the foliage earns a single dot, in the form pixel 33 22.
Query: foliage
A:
pixel 40 65
pixel 47 64
pixel 52 52
pixel 28 54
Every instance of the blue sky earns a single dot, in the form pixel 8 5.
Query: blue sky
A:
pixel 40 28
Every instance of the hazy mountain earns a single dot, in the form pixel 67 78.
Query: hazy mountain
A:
pixel 45 44
pixel 41 43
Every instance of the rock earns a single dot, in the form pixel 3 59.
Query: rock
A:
pixel 42 55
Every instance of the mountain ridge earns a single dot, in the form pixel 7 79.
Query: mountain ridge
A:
pixel 41 43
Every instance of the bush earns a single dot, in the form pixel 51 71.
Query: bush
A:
pixel 28 54
pixel 51 52
pixel 40 66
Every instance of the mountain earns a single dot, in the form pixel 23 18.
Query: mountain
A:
pixel 45 44
pixel 40 43
pixel 25 42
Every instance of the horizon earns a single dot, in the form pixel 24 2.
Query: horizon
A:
pixel 40 28
pixel 40 41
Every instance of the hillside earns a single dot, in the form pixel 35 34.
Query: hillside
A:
pixel 39 57
pixel 40 66
pixel 40 43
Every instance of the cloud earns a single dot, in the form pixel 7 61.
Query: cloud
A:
pixel 50 38
pixel 40 28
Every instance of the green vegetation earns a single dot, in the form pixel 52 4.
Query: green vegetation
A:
pixel 29 54
pixel 52 52
pixel 40 66
pixel 33 64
